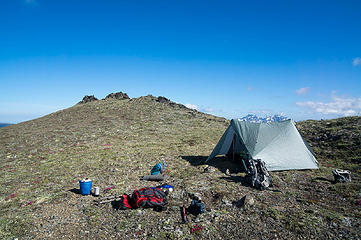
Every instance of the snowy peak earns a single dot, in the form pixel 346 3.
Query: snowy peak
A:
pixel 255 119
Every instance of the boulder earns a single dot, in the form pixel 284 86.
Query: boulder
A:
pixel 245 202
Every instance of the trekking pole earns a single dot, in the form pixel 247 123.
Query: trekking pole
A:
pixel 183 214
pixel 106 199
pixel 182 208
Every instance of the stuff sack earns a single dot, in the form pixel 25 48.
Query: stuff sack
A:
pixel 196 207
pixel 148 198
pixel 157 169
pixel 257 174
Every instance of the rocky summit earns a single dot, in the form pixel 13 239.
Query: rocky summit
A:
pixel 118 95
pixel 88 98
pixel 115 142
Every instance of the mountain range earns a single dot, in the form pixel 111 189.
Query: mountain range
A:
pixel 255 119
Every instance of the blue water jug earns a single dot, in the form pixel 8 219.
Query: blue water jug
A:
pixel 85 186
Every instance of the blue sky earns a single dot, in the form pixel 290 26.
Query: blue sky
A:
pixel 228 58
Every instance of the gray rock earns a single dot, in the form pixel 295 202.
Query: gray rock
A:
pixel 245 202
pixel 347 221
pixel 178 232
pixel 209 169
pixel 226 202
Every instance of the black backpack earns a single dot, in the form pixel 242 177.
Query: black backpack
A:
pixel 257 174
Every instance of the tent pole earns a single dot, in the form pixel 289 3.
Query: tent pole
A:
pixel 233 147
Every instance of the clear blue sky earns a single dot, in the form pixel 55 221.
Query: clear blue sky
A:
pixel 228 58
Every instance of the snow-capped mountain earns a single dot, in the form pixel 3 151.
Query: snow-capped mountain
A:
pixel 255 119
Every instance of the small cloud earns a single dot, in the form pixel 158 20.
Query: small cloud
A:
pixel 356 61
pixel 303 91
pixel 207 110
pixel 199 108
pixel 250 88
pixel 338 106
pixel 191 106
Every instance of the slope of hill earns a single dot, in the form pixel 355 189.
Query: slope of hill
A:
pixel 113 142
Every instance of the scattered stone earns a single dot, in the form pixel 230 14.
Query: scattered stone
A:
pixel 178 232
pixel 226 202
pixel 175 208
pixel 245 202
pixel 139 212
pixel 194 196
pixel 209 169
pixel 347 221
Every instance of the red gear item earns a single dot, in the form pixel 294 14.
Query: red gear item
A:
pixel 148 198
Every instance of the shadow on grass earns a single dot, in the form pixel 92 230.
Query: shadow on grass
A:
pixel 75 190
pixel 324 179
pixel 237 179
pixel 221 163
pixel 115 204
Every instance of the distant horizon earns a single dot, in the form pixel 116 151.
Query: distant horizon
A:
pixel 260 115
pixel 226 58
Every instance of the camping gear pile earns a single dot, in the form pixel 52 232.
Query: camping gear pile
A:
pixel 341 175
pixel 147 197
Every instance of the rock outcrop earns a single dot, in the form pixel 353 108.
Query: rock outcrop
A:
pixel 87 99
pixel 165 100
pixel 118 95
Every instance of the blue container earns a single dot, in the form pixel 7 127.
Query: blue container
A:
pixel 85 186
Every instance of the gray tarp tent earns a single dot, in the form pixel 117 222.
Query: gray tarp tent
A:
pixel 278 144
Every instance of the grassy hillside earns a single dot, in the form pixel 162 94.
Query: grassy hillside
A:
pixel 113 142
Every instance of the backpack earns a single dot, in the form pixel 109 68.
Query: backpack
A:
pixel 341 175
pixel 148 198
pixel 257 174
pixel 124 202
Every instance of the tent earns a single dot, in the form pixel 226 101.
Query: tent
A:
pixel 278 144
